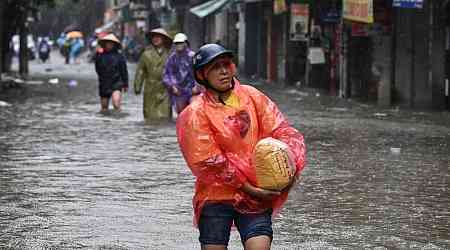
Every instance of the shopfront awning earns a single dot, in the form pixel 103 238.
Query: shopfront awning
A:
pixel 208 8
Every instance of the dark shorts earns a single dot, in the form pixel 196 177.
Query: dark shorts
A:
pixel 106 89
pixel 216 220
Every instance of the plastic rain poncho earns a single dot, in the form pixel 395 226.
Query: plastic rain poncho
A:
pixel 217 142
pixel 149 76
pixel 178 72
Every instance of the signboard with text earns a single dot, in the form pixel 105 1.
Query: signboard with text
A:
pixel 299 21
pixel 358 10
pixel 413 4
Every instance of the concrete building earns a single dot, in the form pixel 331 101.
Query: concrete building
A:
pixel 396 57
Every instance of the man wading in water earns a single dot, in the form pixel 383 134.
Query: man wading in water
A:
pixel 217 133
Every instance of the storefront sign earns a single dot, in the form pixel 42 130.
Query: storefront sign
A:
pixel 299 21
pixel 316 55
pixel 330 16
pixel 358 10
pixel 279 6
pixel 417 4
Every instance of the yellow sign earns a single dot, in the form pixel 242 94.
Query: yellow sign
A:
pixel 358 10
pixel 279 6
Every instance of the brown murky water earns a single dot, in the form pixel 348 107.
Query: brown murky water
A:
pixel 71 178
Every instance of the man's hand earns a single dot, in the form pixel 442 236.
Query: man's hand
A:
pixel 259 192
pixel 196 90
pixel 175 91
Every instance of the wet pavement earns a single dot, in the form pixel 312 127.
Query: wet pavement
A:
pixel 72 178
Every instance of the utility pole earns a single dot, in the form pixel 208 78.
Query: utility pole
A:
pixel 153 22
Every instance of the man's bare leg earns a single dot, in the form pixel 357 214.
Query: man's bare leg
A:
pixel 258 243
pixel 104 102
pixel 214 247
pixel 117 99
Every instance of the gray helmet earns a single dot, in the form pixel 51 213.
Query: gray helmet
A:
pixel 207 53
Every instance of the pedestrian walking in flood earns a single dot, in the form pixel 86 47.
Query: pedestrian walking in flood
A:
pixel 111 68
pixel 217 134
pixel 149 76
pixel 178 73
pixel 44 50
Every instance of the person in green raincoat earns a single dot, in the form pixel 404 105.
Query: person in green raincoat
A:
pixel 149 76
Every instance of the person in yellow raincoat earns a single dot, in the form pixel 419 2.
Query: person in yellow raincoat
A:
pixel 149 76
pixel 217 134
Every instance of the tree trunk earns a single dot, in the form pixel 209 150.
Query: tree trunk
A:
pixel 23 52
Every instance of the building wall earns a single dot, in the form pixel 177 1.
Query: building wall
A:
pixel 251 38
pixel 420 57
pixel 221 23
pixel 242 38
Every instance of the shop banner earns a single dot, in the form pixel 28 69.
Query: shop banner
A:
pixel 358 10
pixel 299 21
pixel 413 4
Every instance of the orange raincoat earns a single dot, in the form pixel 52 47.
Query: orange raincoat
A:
pixel 217 142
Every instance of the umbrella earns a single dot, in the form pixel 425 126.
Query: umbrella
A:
pixel 74 34
pixel 72 27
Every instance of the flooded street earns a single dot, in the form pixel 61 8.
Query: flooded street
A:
pixel 72 178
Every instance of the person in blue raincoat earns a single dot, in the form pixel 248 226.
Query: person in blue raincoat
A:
pixel 75 49
pixel 178 75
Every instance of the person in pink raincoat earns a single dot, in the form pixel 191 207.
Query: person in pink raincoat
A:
pixel 217 134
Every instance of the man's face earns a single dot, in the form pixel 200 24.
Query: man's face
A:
pixel 157 40
pixel 180 46
pixel 109 45
pixel 219 73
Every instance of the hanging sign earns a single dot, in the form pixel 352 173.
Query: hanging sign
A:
pixel 358 10
pixel 413 4
pixel 316 55
pixel 299 22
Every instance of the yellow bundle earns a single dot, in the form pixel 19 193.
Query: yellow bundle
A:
pixel 274 167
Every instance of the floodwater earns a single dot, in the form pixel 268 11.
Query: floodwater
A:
pixel 72 178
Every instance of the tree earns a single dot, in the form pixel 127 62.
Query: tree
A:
pixel 13 21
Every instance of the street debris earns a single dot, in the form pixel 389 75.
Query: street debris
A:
pixel 53 81
pixel 380 115
pixel 4 104
pixel 296 92
pixel 73 83
pixel 339 109
pixel 396 151
pixel 38 82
